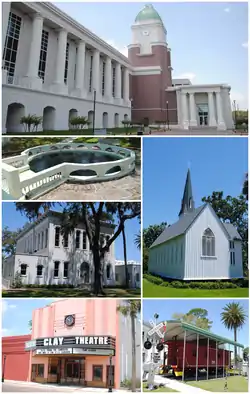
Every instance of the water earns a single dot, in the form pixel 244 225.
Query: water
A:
pixel 52 159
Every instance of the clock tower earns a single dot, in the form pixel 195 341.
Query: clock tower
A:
pixel 150 58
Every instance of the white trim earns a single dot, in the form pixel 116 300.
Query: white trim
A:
pixel 154 109
pixel 155 70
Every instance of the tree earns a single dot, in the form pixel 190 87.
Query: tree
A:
pixel 235 211
pixel 151 233
pixel 30 325
pixel 246 354
pixel 137 240
pixel 132 308
pixel 91 215
pixel 233 317
pixel 9 241
pixel 197 316
pixel 245 187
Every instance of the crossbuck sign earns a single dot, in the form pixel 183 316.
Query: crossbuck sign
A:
pixel 156 329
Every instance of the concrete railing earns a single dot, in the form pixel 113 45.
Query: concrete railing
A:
pixel 16 161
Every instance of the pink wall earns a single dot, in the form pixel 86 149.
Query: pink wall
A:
pixel 92 317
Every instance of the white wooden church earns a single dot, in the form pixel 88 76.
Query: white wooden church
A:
pixel 198 246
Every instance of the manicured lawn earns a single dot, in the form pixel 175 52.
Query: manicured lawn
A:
pixel 112 292
pixel 161 390
pixel 235 384
pixel 152 290
pixel 115 131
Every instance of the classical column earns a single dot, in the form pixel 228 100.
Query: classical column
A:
pixel 80 65
pixel 96 72
pixel 31 79
pixel 220 120
pixel 118 80
pixel 108 79
pixel 184 110
pixel 212 120
pixel 193 118
pixel 126 85
pixel 58 85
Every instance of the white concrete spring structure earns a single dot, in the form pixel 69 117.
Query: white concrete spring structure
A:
pixel 19 182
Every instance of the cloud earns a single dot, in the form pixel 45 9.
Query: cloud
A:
pixel 187 75
pixel 6 306
pixel 120 48
pixel 245 44
pixel 227 10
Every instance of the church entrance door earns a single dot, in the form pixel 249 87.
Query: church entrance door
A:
pixel 203 114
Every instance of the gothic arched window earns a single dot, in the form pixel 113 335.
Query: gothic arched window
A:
pixel 208 243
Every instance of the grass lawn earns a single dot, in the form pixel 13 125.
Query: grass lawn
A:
pixel 235 384
pixel 111 292
pixel 114 131
pixel 151 290
pixel 161 390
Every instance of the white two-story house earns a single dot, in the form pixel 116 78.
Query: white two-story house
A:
pixel 44 256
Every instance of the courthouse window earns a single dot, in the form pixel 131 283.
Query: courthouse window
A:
pixel 11 45
pixel 103 77
pixel 57 236
pixel 66 64
pixel 97 372
pixel 90 73
pixel 113 82
pixel 43 54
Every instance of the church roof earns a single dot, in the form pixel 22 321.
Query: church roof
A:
pixel 148 13
pixel 185 221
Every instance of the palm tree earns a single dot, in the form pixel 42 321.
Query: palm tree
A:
pixel 131 308
pixel 137 240
pixel 233 317
pixel 245 186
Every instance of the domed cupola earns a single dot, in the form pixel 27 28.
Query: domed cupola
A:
pixel 148 13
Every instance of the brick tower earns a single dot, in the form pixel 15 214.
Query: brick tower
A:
pixel 152 74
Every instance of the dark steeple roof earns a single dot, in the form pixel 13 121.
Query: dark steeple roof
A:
pixel 187 204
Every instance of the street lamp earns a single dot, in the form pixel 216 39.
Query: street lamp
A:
pixel 167 115
pixel 4 361
pixel 94 111
pixel 110 374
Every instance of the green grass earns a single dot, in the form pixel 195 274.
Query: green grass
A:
pixel 113 131
pixel 151 290
pixel 161 389
pixel 110 292
pixel 236 384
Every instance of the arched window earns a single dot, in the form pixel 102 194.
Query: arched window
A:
pixel 208 243
pixel 108 270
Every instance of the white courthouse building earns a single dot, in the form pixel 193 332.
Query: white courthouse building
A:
pixel 44 256
pixel 51 67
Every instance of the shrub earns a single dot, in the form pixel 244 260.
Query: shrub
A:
pixel 78 122
pixel 17 283
pixel 127 383
pixel 31 120
pixel 165 284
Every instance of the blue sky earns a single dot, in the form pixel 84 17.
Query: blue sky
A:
pixel 216 164
pixel 166 309
pixel 14 220
pixel 208 40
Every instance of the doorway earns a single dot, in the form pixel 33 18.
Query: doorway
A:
pixel 203 114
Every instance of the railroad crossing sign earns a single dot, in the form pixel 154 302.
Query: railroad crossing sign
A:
pixel 156 329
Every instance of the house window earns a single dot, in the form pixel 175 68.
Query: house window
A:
pixel 37 370
pixel 42 241
pixel 43 54
pixel 66 269
pixel 116 277
pixel 78 232
pixel 122 82
pixel 66 64
pixel 137 277
pixel 108 270
pixel 103 77
pixel 57 236
pixel 232 258
pixel 56 269
pixel 97 372
pixel 23 269
pixel 208 243
pixel 231 245
pixel 113 82
pixel 90 73
pixel 39 270
pixel 84 240
pixel 46 238
pixel 11 45
pixel 107 239
pixel 66 240
pixel 39 238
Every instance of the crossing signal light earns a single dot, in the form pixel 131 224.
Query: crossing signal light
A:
pixel 159 347
pixel 147 345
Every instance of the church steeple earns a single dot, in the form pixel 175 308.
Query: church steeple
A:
pixel 187 204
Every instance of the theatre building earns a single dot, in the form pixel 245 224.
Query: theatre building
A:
pixel 80 342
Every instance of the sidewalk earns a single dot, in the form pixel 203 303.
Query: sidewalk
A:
pixel 64 388
pixel 178 386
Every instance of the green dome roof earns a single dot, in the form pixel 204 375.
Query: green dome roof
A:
pixel 148 12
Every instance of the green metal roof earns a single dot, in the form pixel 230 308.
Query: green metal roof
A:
pixel 148 13
pixel 175 327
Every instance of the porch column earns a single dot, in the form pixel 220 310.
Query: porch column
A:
pixel 59 85
pixel 108 79
pixel 184 354
pixel 80 64
pixel 220 120
pixel 216 363
pixel 212 120
pixel 184 110
pixel 223 360
pixel 118 81
pixel 96 72
pixel 207 357
pixel 126 85
pixel 197 358
pixel 31 79
pixel 193 119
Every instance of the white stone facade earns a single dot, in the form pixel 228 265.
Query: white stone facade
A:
pixel 134 273
pixel 43 257
pixel 54 66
